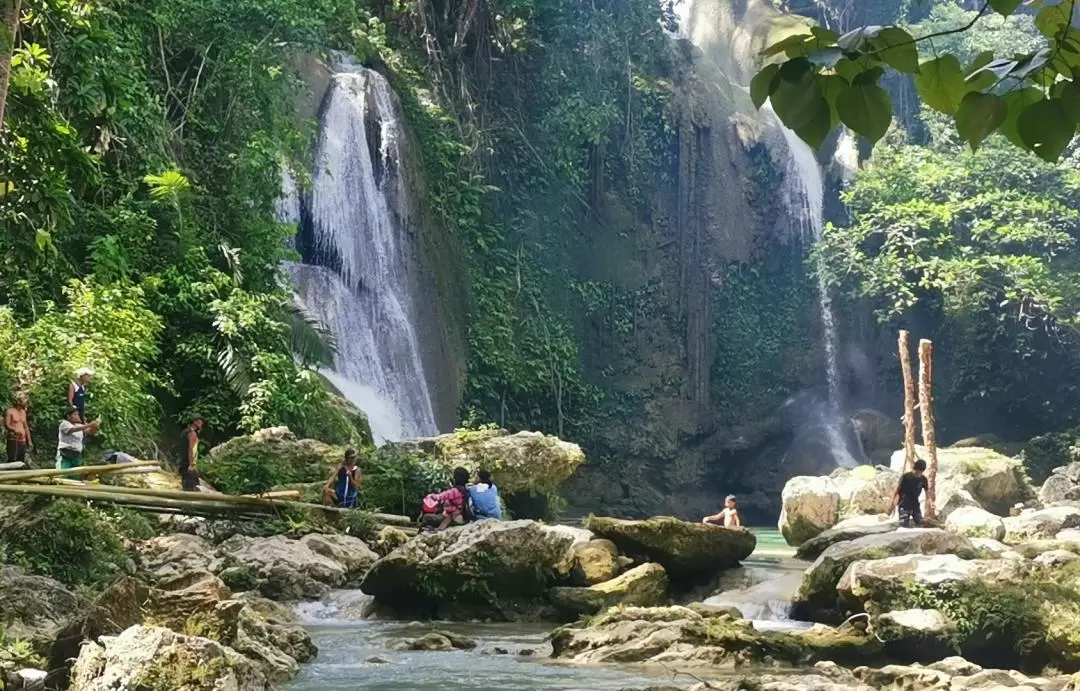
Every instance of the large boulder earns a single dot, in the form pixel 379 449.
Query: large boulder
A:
pixel 865 490
pixel 1063 486
pixel 278 456
pixel 816 599
pixel 522 462
pixel 920 634
pixel 875 584
pixel 286 569
pixel 681 636
pixel 1040 524
pixel 36 608
pixel 352 553
pixel 158 659
pixel 688 551
pixel 642 586
pixel 810 506
pixel 589 563
pixel 879 434
pixel 489 569
pixel 995 482
pixel 973 521
pixel 847 529
pixel 167 556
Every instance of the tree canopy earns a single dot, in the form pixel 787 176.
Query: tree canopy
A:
pixel 817 79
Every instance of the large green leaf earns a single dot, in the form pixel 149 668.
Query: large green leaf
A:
pixel 1016 102
pixel 1046 128
pixel 1068 92
pixel 818 127
pixel 866 109
pixel 1051 20
pixel 797 97
pixel 1005 7
pixel 896 48
pixel 763 84
pixel 978 116
pixel 940 84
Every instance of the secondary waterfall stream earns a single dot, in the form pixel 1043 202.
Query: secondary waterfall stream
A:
pixel 355 278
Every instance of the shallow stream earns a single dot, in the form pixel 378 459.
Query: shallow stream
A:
pixel 354 653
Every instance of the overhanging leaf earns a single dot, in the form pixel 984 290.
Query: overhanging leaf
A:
pixel 1069 95
pixel 978 116
pixel 763 84
pixel 896 48
pixel 1046 129
pixel 1016 102
pixel 818 127
pixel 940 84
pixel 1005 7
pixel 866 109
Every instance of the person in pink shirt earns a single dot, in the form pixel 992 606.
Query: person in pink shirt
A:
pixel 450 506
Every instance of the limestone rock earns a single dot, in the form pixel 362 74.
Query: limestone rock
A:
pixel 973 522
pixel 286 569
pixel 995 482
pixel 680 636
pixel 522 462
pixel 865 490
pixel 172 555
pixel 36 608
pixel 919 634
pixel 642 586
pixel 388 539
pixel 1036 524
pixel 993 549
pixel 811 505
pixel 816 597
pixel 352 553
pixel 847 529
pixel 157 659
pixel 1056 557
pixel 687 550
pixel 593 562
pixel 1062 486
pixel 956 666
pixel 577 536
pixel 465 571
pixel 880 434
pixel 880 580
pixel 306 460
pixel 436 640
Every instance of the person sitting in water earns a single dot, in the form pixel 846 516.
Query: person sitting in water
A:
pixel 728 516
pixel 485 497
pixel 344 484
pixel 450 506
pixel 905 497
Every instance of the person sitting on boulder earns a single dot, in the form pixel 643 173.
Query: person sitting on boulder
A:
pixel 906 495
pixel 450 506
pixel 728 516
pixel 485 497
pixel 343 486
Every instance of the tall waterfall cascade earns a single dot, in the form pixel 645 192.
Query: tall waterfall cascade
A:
pixel 355 275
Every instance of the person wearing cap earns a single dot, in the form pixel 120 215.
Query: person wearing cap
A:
pixel 728 516
pixel 69 445
pixel 77 389
pixel 189 454
pixel 342 488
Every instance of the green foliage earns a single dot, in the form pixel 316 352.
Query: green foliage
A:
pixel 16 654
pixel 65 539
pixel 1048 451
pixel 396 479
pixel 817 78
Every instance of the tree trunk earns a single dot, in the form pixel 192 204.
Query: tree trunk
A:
pixel 909 402
pixel 10 31
pixel 926 408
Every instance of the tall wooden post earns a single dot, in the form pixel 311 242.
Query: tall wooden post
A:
pixel 909 401
pixel 926 408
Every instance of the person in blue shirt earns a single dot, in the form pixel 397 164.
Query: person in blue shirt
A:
pixel 342 488
pixel 485 497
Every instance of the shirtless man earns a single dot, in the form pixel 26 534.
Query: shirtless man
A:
pixel 18 431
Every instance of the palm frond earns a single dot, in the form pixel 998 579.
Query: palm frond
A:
pixel 309 339
pixel 237 372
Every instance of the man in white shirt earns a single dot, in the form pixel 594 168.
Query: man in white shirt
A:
pixel 69 445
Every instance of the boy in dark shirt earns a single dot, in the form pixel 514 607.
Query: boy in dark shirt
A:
pixel 908 491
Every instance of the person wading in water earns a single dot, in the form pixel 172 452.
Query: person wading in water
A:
pixel 189 444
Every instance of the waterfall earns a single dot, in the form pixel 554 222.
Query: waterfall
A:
pixel 355 278
pixel 804 199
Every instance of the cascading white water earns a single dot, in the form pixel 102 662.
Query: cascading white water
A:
pixel 804 199
pixel 358 282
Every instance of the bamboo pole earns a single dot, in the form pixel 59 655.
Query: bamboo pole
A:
pixel 21 475
pixel 98 494
pixel 279 494
pixel 926 408
pixel 909 401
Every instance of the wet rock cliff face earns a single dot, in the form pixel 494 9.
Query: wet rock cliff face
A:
pixel 721 328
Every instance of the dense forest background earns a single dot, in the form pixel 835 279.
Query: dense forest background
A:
pixel 632 282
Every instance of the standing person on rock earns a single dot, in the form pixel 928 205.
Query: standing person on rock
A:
pixel 69 445
pixel 906 495
pixel 78 389
pixel 18 430
pixel 189 454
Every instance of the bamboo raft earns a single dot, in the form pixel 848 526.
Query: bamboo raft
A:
pixel 212 505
